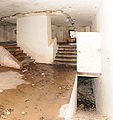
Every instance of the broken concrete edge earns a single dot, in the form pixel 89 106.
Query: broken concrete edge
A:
pixel 12 57
pixel 89 74
pixel 58 11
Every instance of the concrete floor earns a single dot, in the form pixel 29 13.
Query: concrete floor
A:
pixel 40 93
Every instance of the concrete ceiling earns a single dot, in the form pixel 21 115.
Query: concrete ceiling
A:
pixel 82 11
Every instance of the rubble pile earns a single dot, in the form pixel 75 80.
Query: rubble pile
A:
pixel 85 96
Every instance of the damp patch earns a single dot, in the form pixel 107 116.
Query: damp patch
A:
pixel 10 80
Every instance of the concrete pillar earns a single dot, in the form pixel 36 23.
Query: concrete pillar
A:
pixel 34 37
pixel 104 86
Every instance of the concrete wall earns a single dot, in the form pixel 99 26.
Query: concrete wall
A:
pixel 84 29
pixel 104 86
pixel 62 32
pixel 7 32
pixel 72 108
pixel 34 37
pixel 1 33
pixel 88 52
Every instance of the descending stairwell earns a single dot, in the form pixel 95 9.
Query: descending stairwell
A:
pixel 17 53
pixel 66 54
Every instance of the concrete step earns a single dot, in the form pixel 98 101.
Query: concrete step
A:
pixel 8 43
pixel 69 46
pixel 12 47
pixel 65 60
pixel 27 61
pixel 65 63
pixel 66 48
pixel 67 51
pixel 65 55
pixel 20 55
pixel 16 52
pixel 66 43
pixel 23 58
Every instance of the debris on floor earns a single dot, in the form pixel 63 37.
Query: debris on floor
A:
pixel 4 113
pixel 85 96
pixel 50 87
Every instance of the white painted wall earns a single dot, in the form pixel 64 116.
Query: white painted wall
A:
pixel 34 37
pixel 72 108
pixel 88 52
pixel 104 86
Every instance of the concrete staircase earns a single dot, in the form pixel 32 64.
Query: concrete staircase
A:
pixel 66 54
pixel 17 53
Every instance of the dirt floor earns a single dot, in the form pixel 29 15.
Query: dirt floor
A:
pixel 42 92
pixel 49 88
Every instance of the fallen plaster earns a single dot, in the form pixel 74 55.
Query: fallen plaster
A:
pixel 10 80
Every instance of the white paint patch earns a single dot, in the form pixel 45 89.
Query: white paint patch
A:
pixel 10 80
pixel 64 110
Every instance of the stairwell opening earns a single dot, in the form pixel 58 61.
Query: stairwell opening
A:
pixel 85 94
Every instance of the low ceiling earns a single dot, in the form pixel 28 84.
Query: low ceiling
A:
pixel 82 11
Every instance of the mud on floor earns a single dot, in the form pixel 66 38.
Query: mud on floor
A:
pixel 49 89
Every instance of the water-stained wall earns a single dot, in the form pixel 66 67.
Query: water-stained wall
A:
pixel 7 32
pixel 62 32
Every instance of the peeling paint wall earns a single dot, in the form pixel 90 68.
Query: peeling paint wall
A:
pixel 7 32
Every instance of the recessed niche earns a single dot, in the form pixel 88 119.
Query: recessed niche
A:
pixel 85 94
